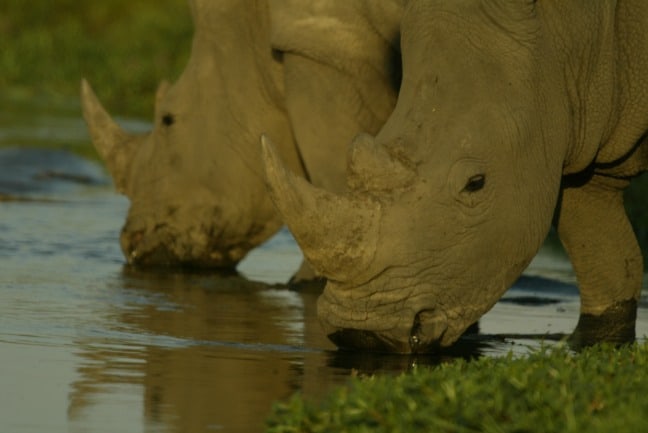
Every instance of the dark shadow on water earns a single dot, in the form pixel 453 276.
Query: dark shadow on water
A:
pixel 468 348
pixel 158 277
pixel 543 285
pixel 530 301
pixel 371 362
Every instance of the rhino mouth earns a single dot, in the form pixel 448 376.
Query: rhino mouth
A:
pixel 163 256
pixel 162 249
pixel 395 328
pixel 424 337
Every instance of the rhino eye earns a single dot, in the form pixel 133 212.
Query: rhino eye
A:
pixel 475 183
pixel 168 119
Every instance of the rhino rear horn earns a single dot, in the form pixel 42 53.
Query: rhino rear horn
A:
pixel 372 168
pixel 113 144
pixel 337 234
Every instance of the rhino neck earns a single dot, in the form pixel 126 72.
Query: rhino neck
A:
pixel 238 34
pixel 231 54
pixel 589 76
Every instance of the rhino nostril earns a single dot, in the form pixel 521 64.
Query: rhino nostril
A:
pixel 136 237
pixel 131 243
pixel 414 342
pixel 132 256
pixel 428 328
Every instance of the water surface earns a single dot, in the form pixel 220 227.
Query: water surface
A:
pixel 90 345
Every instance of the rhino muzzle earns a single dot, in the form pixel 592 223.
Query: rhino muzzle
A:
pixel 375 341
pixel 162 248
pixel 425 332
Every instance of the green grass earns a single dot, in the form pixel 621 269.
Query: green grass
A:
pixel 123 47
pixel 602 389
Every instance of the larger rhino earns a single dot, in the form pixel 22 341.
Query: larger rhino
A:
pixel 310 74
pixel 511 114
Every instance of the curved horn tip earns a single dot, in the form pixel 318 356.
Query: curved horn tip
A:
pixel 107 136
pixel 268 155
pixel 84 85
pixel 87 94
pixel 267 147
pixel 278 179
pixel 91 105
pixel 88 97
pixel 272 161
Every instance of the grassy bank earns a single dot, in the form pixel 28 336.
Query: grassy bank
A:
pixel 123 47
pixel 599 390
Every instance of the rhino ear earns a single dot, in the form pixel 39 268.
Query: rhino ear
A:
pixel 114 145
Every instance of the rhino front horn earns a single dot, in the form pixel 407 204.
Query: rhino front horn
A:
pixel 337 234
pixel 112 143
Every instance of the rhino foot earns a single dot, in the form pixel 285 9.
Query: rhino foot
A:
pixel 615 325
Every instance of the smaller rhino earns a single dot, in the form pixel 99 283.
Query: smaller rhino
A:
pixel 195 182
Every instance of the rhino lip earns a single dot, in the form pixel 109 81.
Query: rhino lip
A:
pixel 157 256
pixel 426 335
pixel 162 256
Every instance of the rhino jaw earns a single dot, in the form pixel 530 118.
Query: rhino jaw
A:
pixel 203 248
pixel 396 327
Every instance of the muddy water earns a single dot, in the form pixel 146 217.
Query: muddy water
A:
pixel 89 345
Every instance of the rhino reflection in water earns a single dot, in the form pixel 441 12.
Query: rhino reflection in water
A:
pixel 511 114
pixel 195 182
pixel 176 346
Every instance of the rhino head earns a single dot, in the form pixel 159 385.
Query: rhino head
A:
pixel 195 184
pixel 452 199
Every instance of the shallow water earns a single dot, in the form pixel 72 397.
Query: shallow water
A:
pixel 89 345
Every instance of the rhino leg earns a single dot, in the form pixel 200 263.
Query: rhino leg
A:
pixel 595 230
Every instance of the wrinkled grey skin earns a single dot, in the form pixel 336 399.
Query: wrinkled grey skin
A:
pixel 511 114
pixel 195 182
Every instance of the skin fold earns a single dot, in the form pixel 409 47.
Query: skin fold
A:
pixel 511 115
